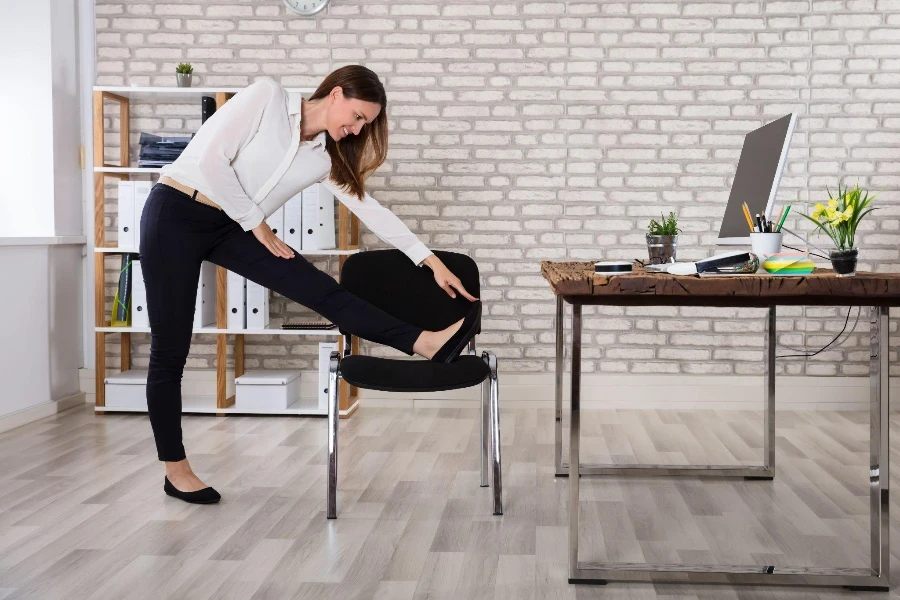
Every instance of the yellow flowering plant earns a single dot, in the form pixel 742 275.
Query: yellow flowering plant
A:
pixel 843 213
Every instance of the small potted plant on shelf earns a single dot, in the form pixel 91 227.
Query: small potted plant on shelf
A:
pixel 839 220
pixel 662 239
pixel 184 72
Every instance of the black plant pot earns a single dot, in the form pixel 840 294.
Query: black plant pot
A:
pixel 844 262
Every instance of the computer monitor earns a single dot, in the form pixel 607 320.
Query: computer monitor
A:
pixel 756 181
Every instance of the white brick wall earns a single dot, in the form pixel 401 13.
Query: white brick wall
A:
pixel 524 131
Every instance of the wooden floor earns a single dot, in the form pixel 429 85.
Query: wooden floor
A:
pixel 82 513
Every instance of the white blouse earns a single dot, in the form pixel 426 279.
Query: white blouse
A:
pixel 248 159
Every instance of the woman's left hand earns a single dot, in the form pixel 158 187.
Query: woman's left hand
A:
pixel 449 282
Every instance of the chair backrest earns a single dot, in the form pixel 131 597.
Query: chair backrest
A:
pixel 390 281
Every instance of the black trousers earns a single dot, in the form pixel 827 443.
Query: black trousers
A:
pixel 177 234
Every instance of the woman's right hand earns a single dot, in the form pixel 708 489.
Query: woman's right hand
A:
pixel 268 239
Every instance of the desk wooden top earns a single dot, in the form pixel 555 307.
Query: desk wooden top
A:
pixel 577 282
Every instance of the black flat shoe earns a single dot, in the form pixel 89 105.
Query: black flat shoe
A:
pixel 205 496
pixel 452 347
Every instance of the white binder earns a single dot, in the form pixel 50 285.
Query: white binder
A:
pixel 236 297
pixel 293 222
pixel 326 218
pixel 310 198
pixel 257 306
pixel 325 350
pixel 318 218
pixel 126 214
pixel 276 223
pixel 205 306
pixel 139 316
pixel 141 191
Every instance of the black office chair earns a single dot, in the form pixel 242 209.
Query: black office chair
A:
pixel 388 279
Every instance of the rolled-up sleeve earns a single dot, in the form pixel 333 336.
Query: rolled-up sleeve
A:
pixel 382 222
pixel 233 126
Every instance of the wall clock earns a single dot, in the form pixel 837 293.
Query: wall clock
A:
pixel 305 8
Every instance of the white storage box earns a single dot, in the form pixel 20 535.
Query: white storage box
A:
pixel 127 389
pixel 266 389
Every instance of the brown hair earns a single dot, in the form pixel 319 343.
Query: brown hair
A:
pixel 355 157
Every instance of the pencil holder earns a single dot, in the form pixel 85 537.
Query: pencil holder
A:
pixel 765 244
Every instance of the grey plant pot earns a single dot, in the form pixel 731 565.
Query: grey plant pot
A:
pixel 661 248
pixel 184 79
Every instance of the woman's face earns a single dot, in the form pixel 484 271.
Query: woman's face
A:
pixel 348 116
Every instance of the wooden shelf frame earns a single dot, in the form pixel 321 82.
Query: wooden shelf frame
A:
pixel 347 238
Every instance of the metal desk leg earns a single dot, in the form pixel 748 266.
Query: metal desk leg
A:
pixel 560 368
pixel 574 439
pixel 763 471
pixel 874 578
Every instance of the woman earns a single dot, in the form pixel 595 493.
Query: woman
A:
pixel 256 152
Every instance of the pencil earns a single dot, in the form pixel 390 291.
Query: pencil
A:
pixel 783 217
pixel 747 216
pixel 777 221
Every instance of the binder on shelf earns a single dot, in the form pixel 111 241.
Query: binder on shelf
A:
pixel 293 222
pixel 121 311
pixel 139 317
pixel 205 306
pixel 318 218
pixel 126 214
pixel 326 219
pixel 236 297
pixel 207 108
pixel 325 350
pixel 141 191
pixel 257 306
pixel 310 198
pixel 276 223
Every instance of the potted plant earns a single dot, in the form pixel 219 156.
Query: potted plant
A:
pixel 184 72
pixel 839 220
pixel 662 239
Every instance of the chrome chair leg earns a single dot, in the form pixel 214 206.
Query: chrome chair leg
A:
pixel 331 493
pixel 485 428
pixel 494 387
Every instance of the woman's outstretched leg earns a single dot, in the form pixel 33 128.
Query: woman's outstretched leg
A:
pixel 296 278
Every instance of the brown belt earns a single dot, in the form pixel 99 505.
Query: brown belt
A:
pixel 194 194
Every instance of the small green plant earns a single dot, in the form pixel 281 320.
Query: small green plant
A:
pixel 667 227
pixel 185 68
pixel 843 213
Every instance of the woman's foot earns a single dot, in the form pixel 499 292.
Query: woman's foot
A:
pixel 182 477
pixel 447 344
pixel 430 342
pixel 182 483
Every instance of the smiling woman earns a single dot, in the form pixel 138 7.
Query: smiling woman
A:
pixel 263 147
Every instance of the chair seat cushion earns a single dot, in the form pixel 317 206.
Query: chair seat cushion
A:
pixel 393 375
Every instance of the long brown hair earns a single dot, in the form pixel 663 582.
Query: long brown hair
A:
pixel 355 157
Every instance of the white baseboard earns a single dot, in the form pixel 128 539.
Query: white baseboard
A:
pixel 711 392
pixel 35 413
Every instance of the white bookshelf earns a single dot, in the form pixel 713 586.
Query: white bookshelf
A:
pixel 348 239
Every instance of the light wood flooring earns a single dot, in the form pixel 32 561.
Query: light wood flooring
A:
pixel 82 513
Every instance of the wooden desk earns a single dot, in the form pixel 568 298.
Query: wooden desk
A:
pixel 577 284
